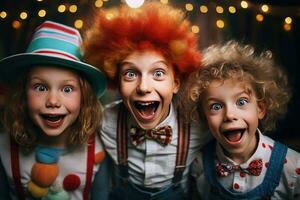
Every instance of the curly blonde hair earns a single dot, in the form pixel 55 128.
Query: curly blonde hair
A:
pixel 19 125
pixel 233 60
pixel 118 32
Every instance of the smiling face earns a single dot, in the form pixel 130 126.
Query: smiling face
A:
pixel 232 114
pixel 147 86
pixel 54 98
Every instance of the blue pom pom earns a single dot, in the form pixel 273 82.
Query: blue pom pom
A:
pixel 47 155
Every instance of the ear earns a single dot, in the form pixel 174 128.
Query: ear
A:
pixel 176 85
pixel 261 110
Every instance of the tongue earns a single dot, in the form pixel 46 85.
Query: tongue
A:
pixel 147 111
pixel 234 137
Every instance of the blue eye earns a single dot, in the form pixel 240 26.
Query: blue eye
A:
pixel 216 106
pixel 67 89
pixel 242 102
pixel 40 88
pixel 158 74
pixel 130 74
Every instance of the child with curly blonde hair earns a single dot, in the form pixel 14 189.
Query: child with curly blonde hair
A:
pixel 239 96
pixel 146 53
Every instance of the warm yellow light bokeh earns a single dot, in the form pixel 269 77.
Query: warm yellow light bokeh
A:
pixel 203 9
pixel 220 23
pixel 42 13
pixel 78 24
pixel 61 8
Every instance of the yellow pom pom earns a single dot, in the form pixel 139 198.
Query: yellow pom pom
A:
pixel 178 47
pixel 36 191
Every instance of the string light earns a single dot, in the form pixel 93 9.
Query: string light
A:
pixel 164 1
pixel 219 9
pixel 61 8
pixel 288 20
pixel 73 8
pixel 3 14
pixel 16 24
pixel 78 24
pixel 134 3
pixel 259 17
pixel 99 3
pixel 276 10
pixel 220 24
pixel 232 9
pixel 265 8
pixel 195 29
pixel 287 27
pixel 189 7
pixel 203 9
pixel 23 15
pixel 42 13
pixel 244 4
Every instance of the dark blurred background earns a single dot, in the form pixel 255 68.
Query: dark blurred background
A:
pixel 266 24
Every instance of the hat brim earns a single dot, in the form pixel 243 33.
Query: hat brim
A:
pixel 13 66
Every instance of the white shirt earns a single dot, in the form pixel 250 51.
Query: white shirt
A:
pixel 289 185
pixel 74 162
pixel 150 163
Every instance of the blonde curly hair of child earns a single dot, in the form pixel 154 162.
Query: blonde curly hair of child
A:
pixel 118 32
pixel 233 60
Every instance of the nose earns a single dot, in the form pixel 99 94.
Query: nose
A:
pixel 53 100
pixel 144 86
pixel 230 114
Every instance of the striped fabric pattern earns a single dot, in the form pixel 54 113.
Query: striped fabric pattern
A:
pixel 57 40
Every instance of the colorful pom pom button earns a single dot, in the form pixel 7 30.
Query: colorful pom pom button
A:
pixel 48 155
pixel 71 182
pixel 37 191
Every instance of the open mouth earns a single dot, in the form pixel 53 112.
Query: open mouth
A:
pixel 53 121
pixel 53 118
pixel 146 109
pixel 234 135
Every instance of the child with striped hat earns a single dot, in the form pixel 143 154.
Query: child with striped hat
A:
pixel 50 149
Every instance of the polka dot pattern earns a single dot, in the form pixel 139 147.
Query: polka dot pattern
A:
pixel 71 182
pixel 267 164
pixel 242 174
pixel 236 186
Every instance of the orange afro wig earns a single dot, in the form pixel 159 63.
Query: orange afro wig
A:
pixel 118 32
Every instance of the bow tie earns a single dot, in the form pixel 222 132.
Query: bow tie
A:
pixel 162 135
pixel 254 168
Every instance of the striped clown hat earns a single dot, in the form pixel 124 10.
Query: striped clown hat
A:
pixel 56 45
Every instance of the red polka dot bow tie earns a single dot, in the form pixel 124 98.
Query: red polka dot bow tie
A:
pixel 162 135
pixel 254 168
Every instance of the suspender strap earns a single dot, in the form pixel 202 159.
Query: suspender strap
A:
pixel 122 142
pixel 182 149
pixel 15 168
pixel 182 146
pixel 17 176
pixel 265 189
pixel 89 166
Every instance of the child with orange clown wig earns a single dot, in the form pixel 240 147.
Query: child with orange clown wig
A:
pixel 146 53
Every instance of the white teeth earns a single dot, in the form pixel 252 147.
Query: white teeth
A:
pixel 145 103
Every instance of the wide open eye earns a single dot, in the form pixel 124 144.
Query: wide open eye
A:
pixel 242 101
pixel 67 89
pixel 40 87
pixel 158 74
pixel 215 106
